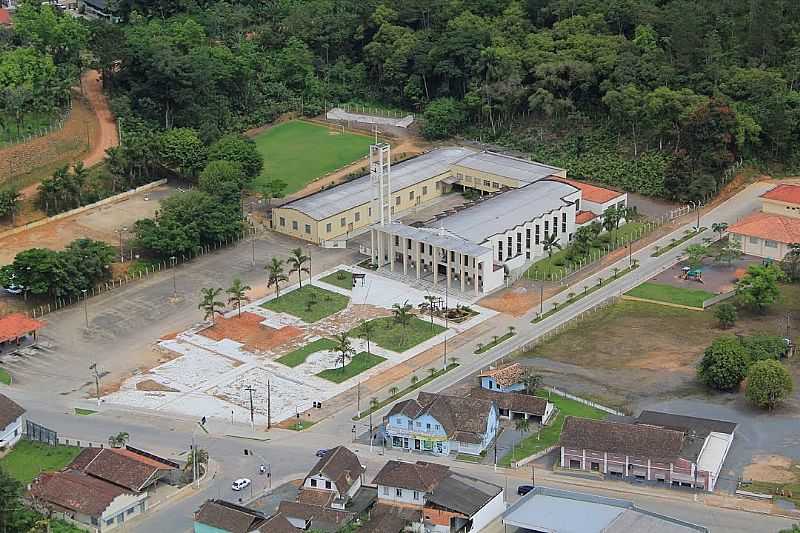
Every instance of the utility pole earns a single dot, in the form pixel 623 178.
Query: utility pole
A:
pixel 630 253
pixel 269 406
pixel 253 240
pixel 93 367
pixel 121 231
pixel 250 389
pixel 174 261
pixel 358 399
pixel 541 299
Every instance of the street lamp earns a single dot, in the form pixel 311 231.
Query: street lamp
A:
pixel 173 261
pixel 85 307
pixel 121 232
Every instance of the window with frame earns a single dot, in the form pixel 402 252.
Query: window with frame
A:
pixel 308 228
pixel 428 426
pixel 510 240
pixel 328 227
pixel 770 244
pixel 283 221
pixel 343 222
pixel 313 482
pixel 519 243
pixel 410 195
pixel 754 240
pixel 294 225
pixel 495 185
pixel 416 495
pixel 369 211
pixel 578 204
pixel 555 224
pixel 358 216
pixel 398 492
pixel 487 183
pixel 536 241
pixel 546 227
pixel 328 485
pixel 424 190
pixel 385 491
pixel 396 200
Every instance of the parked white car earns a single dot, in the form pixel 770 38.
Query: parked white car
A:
pixel 240 484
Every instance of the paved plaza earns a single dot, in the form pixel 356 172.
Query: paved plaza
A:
pixel 213 369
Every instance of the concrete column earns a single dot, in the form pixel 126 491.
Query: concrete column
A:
pixel 648 469
pixel 461 267
pixel 372 245
pixel 379 254
pixel 562 457
pixel 435 266
pixel 626 466
pixel 605 462
pixel 391 252
pixel 405 256
pixel 477 285
pixel 448 252
pixel 583 460
pixel 419 266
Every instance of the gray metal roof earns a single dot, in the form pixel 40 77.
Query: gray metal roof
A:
pixel 507 210
pixel 561 511
pixel 464 494
pixel 436 237
pixel 359 191
pixel 508 166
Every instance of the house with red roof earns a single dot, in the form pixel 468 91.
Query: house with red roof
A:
pixel 5 17
pixel 770 232
pixel 15 327
pixel 594 201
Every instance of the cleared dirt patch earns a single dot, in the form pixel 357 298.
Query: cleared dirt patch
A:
pixel 153 386
pixel 248 330
pixel 772 468
pixel 520 298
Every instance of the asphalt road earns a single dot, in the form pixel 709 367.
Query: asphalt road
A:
pixel 127 321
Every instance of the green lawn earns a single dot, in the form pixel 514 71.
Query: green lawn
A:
pixel 557 264
pixel 674 295
pixel 302 425
pixel 340 278
pixel 299 356
pixel 359 363
pixel 5 377
pixel 84 412
pixel 390 335
pixel 298 152
pixel 549 435
pixel 29 458
pixel 322 303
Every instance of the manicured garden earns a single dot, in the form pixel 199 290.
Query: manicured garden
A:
pixel 297 152
pixel 309 303
pixel 559 263
pixel 341 278
pixel 359 363
pixel 299 356
pixel 28 458
pixel 388 333
pixel 667 293
pixel 549 435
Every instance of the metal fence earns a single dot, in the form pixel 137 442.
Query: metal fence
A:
pixel 38 433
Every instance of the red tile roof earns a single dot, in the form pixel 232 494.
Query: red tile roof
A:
pixel 5 17
pixel 421 476
pixel 505 375
pixel 121 467
pixel 591 193
pixel 768 226
pixel 75 491
pixel 16 325
pixel 582 217
pixel 784 193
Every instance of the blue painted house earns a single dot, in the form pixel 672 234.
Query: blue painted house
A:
pixel 442 424
pixel 505 378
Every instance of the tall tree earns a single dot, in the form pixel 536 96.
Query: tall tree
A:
pixel 209 303
pixel 275 275
pixel 297 261
pixel 237 294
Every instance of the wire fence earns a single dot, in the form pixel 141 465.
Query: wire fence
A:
pixel 56 124
pixel 143 273
pixel 557 330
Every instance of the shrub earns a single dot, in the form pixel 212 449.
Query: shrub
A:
pixel 724 364
pixel 726 314
pixel 762 346
pixel 768 383
pixel 558 261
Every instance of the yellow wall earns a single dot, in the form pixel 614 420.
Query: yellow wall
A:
pixel 319 229
pixel 780 208
pixel 476 179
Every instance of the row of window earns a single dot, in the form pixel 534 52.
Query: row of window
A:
pixel 537 238
pixel 767 243
pixel 399 422
pixel 399 492
pixel 314 483
pixel 477 181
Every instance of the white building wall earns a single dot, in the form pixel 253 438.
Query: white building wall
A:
pixel 389 495
pixel 490 384
pixel 759 247
pixel 548 412
pixel 11 434
pixel 488 513
pixel 126 507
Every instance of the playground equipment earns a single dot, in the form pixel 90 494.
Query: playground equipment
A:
pixel 692 274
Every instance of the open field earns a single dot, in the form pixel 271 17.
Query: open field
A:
pixel 308 304
pixel 550 434
pixel 389 334
pixel 359 363
pixel 635 352
pixel 29 458
pixel 670 294
pixel 299 152
pixel 299 356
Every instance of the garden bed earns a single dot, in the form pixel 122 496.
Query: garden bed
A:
pixel 341 278
pixel 389 334
pixel 360 362
pixel 309 303
pixel 299 356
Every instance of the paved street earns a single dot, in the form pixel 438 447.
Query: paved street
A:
pixel 126 322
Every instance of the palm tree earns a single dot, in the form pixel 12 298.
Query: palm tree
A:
pixel 402 316
pixel 511 330
pixel 393 390
pixel 79 175
pixel 343 347
pixel 532 382
pixel 202 460
pixel 428 304
pixel 296 261
pixel 414 379
pixel 275 274
pixel 791 262
pixel 237 292
pixel 550 243
pixel 373 403
pixel 454 360
pixel 719 228
pixel 432 371
pixel 479 346
pixel 210 304
pixel 367 328
pixel 616 271
pixel 119 440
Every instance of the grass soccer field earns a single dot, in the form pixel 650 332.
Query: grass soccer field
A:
pixel 298 152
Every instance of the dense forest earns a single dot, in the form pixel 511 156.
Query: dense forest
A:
pixel 655 96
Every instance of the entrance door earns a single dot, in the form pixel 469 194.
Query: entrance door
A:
pixel 417 444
